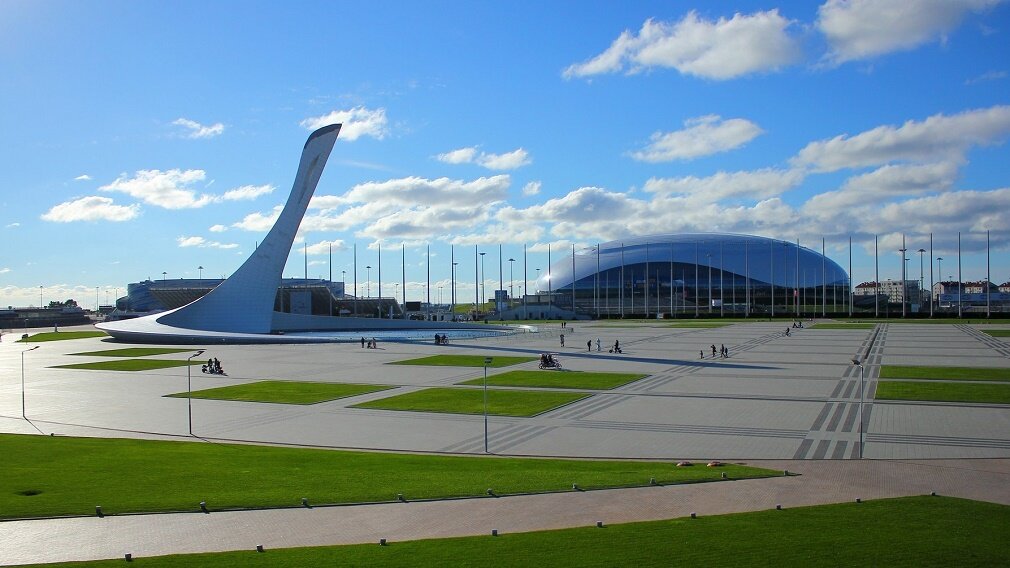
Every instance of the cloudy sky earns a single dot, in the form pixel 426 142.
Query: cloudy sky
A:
pixel 145 139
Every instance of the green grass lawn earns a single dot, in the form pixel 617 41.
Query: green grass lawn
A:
pixel 284 392
pixel 558 379
pixel 128 365
pixel 471 401
pixel 997 332
pixel 948 373
pixel 943 392
pixel 47 476
pixel 904 532
pixel 134 352
pixel 61 336
pixel 464 361
pixel 843 325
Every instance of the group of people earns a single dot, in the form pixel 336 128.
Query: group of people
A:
pixel 213 367
pixel 723 352
pixel 441 339
pixel 547 361
pixel 370 344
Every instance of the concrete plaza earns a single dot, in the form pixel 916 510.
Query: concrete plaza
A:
pixel 783 402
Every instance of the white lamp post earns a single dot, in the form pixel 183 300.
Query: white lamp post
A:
pixel 487 361
pixel 189 388
pixel 23 413
pixel 859 364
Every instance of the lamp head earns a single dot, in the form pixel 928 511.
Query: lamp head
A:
pixel 199 352
pixel 857 362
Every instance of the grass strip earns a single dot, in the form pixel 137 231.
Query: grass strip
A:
pixel 943 392
pixel 908 531
pixel 61 336
pixel 284 392
pixel 843 325
pixel 558 379
pixel 945 373
pixel 464 361
pixel 997 332
pixel 471 401
pixel 133 352
pixel 46 476
pixel 128 365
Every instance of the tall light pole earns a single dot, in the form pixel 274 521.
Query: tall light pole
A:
pixel 368 291
pixel 538 281
pixel 904 292
pixel 189 388
pixel 483 295
pixel 40 297
pixel 23 413
pixel 939 274
pixel 200 268
pixel 164 276
pixel 452 294
pixel 511 279
pixel 859 364
pixel 921 279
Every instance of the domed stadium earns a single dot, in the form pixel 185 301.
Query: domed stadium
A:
pixel 696 274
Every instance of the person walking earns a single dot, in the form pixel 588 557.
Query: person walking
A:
pixel 713 350
pixel 722 350
pixel 589 346
pixel 701 353
pixel 562 340
pixel 598 345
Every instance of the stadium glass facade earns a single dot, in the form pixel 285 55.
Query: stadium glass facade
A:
pixel 689 274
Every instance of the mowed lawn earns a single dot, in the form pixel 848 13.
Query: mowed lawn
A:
pixel 944 392
pixel 134 352
pixel 128 365
pixel 997 332
pixel 61 336
pixel 464 361
pixel 471 401
pixel 904 532
pixel 284 392
pixel 945 373
pixel 559 379
pixel 46 476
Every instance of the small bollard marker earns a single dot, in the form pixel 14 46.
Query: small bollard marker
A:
pixel 694 515
pixel 778 507
pixel 382 542
pixel 259 548
pixel 399 497
pixel 98 510
pixel 858 500
pixel 128 557
pixel 724 476
pixel 203 506
pixel 599 524
pixel 494 532
pixel 305 501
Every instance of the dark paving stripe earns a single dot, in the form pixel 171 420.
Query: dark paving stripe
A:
pixel 586 407
pixel 497 445
pixel 848 389
pixel 836 417
pixel 838 389
pixel 801 452
pixel 691 429
pixel 850 420
pixel 939 441
pixel 839 452
pixel 822 417
pixel 822 449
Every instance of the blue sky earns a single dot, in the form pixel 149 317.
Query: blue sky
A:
pixel 146 137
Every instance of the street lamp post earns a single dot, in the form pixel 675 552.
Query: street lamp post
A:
pixel 200 268
pixel 904 292
pixel 483 295
pixel 859 364
pixel 23 412
pixel 511 279
pixel 164 276
pixel 40 297
pixel 921 279
pixel 538 281
pixel 939 273
pixel 369 290
pixel 189 388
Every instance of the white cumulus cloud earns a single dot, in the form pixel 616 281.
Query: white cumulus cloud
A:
pixel 532 188
pixel 861 29
pixel 218 229
pixel 168 189
pixel 83 177
pixel 939 137
pixel 713 49
pixel 507 161
pixel 701 136
pixel 203 243
pixel 196 130
pixel 247 192
pixel 758 184
pixel 357 122
pixel 91 208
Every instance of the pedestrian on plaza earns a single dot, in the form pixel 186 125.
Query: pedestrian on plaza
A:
pixel 713 350
pixel 589 346
pixel 701 353
pixel 598 345
pixel 722 349
pixel 562 340
pixel 362 342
